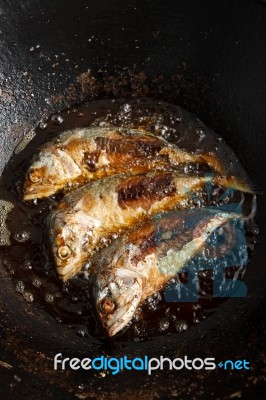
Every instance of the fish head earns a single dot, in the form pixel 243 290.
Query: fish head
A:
pixel 69 239
pixel 116 295
pixel 49 172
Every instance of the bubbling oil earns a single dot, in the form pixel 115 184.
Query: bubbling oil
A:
pixel 22 224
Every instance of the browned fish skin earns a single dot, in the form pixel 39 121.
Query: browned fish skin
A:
pixel 143 236
pixel 82 155
pixel 89 216
pixel 139 191
pixel 139 264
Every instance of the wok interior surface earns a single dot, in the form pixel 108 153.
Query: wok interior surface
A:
pixel 208 58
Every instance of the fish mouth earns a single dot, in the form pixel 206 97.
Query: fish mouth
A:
pixel 70 269
pixel 123 315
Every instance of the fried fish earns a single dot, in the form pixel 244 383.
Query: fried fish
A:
pixel 137 265
pixel 89 217
pixel 85 154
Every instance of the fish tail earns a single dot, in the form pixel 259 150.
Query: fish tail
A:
pixel 234 183
pixel 228 181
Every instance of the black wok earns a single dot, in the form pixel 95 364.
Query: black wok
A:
pixel 207 56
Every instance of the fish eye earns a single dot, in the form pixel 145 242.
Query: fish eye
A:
pixel 35 176
pixel 64 252
pixel 107 305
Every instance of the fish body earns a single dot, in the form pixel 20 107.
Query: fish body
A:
pixel 88 218
pixel 81 155
pixel 137 265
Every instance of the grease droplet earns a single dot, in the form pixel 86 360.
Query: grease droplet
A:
pixel 22 237
pixel 57 119
pixel 181 326
pixel 42 125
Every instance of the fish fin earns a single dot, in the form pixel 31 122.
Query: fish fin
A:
pixel 213 162
pixel 242 184
pixel 235 183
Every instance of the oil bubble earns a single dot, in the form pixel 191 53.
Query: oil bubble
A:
pixel 197 202
pixel 196 307
pixel 196 320
pixel 81 333
pixel 87 266
pixel 137 331
pixel 20 286
pixel 49 298
pixel 181 326
pixel 27 265
pixel 153 301
pixel 36 282
pixel 201 134
pixel 163 325
pixel 188 168
pixel 22 237
pixel 43 125
pixel 127 108
pixel 28 296
pixel 255 230
pixel 57 119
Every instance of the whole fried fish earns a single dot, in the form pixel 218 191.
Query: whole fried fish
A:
pixel 137 265
pixel 88 218
pixel 81 155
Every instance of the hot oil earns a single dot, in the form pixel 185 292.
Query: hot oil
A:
pixel 22 224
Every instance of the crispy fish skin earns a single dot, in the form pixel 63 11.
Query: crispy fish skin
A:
pixel 81 155
pixel 87 218
pixel 135 267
